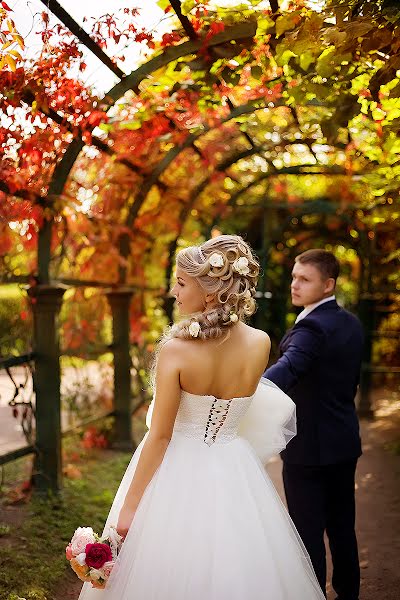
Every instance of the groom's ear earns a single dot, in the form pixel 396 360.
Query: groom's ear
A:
pixel 329 285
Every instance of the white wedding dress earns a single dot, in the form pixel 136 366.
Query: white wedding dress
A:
pixel 210 525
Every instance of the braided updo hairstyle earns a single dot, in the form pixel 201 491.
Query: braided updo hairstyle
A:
pixel 225 267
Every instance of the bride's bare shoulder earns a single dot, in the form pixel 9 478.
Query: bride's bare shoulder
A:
pixel 172 345
pixel 257 335
pixel 176 347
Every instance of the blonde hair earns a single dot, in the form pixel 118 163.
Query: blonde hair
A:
pixel 234 288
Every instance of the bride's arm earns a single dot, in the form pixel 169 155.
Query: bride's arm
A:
pixel 166 406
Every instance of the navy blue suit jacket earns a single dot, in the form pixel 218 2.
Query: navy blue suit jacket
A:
pixel 319 367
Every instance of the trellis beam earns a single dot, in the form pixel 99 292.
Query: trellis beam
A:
pixel 171 53
pixel 186 24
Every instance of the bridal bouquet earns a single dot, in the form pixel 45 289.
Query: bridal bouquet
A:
pixel 92 557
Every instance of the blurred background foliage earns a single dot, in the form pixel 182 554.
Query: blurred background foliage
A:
pixel 282 126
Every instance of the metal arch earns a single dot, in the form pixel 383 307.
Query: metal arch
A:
pixel 242 109
pixel 56 187
pixel 170 156
pixel 124 240
pixel 201 187
pixel 161 167
pixel 273 173
pixel 288 171
pixel 285 171
pixel 130 82
pixel 172 246
pixel 186 24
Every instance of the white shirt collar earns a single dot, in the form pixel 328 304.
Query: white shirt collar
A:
pixel 306 311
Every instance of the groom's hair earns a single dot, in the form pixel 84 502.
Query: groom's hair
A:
pixel 326 262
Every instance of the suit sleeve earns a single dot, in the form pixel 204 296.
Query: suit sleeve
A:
pixel 305 345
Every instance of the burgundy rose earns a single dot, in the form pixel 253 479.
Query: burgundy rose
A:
pixel 97 554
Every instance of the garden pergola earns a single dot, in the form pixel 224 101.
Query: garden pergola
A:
pixel 231 108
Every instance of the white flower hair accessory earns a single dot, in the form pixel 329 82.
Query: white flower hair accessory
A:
pixel 194 329
pixel 216 260
pixel 234 318
pixel 241 266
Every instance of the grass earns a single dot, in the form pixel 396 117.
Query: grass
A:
pixel 32 552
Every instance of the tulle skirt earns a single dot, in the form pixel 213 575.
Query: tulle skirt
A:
pixel 210 526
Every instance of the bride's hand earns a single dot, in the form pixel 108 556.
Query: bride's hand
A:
pixel 124 520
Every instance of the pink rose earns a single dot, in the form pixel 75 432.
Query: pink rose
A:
pixel 107 568
pixel 97 554
pixel 81 538
pixel 68 552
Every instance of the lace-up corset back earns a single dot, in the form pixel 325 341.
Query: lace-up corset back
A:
pixel 209 419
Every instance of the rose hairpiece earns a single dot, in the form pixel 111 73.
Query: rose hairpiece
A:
pixel 216 260
pixel 241 266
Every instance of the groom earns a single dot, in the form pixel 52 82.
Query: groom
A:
pixel 319 365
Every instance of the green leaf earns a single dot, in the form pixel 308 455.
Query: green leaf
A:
pixel 306 60
pixel 256 72
pixel 163 4
pixel 234 78
pixel 326 63
pixel 318 91
pixel 378 114
pixel 286 23
pixel 131 125
pixel 264 24
pixel 107 127
pixel 187 6
pixel 284 56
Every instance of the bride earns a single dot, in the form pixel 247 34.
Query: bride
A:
pixel 200 518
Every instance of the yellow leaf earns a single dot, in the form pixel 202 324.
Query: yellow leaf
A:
pixel 11 62
pixel 20 40
pixel 286 22
pixel 15 54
